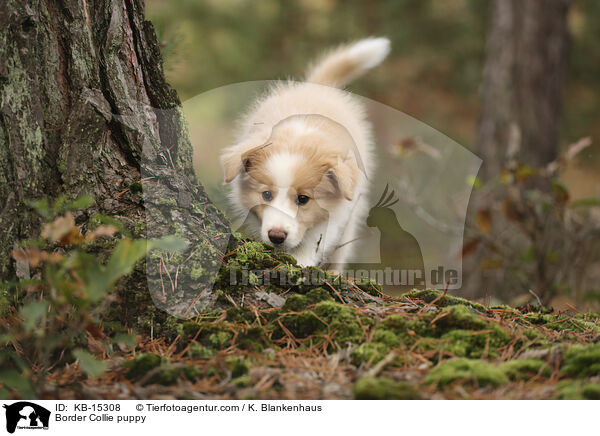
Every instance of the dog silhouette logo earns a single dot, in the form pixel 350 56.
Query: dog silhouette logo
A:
pixel 26 415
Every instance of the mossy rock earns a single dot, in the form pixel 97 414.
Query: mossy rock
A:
pixel 467 371
pixel 382 388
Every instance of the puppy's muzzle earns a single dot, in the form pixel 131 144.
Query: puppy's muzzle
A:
pixel 277 236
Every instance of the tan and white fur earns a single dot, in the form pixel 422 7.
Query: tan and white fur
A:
pixel 307 140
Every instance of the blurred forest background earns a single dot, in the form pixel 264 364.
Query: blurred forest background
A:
pixel 534 220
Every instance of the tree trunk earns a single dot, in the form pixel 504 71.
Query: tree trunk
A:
pixel 522 83
pixel 83 98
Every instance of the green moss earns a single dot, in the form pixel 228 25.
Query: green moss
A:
pixel 387 338
pixel 582 361
pixel 200 352
pixel 404 328
pixel 300 325
pixel 467 371
pixel 525 369
pixel 164 373
pixel 170 202
pixel 342 321
pixel 459 317
pixel 577 390
pixel 142 364
pixel 430 295
pixel 339 321
pixel 591 391
pixel 5 305
pixel 220 339
pixel 254 255
pixel 465 334
pixel 295 303
pixel 455 330
pixel 139 228
pixel 197 273
pixel 299 302
pixel 285 258
pixel 533 334
pixel 372 352
pixel 241 315
pixel 192 372
pixel 238 366
pixel 242 382
pixel 166 376
pixel 216 335
pixel 382 388
pixel 136 187
pixel 253 338
pixel 563 323
pixel 474 344
pixel 317 295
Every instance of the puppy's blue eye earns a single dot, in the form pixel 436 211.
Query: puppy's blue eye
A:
pixel 267 196
pixel 302 199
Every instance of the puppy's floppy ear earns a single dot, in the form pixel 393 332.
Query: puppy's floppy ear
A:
pixel 236 158
pixel 344 177
pixel 231 161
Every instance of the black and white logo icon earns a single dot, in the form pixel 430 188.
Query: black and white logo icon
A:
pixel 26 415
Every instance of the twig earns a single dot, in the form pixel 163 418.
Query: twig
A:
pixel 382 363
pixel 536 297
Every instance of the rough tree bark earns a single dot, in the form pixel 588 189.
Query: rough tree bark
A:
pixel 522 84
pixel 82 98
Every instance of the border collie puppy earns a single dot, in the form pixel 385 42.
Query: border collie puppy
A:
pixel 300 167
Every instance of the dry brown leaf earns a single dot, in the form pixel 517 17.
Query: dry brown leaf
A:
pixel 483 218
pixel 104 230
pixel 470 247
pixel 59 228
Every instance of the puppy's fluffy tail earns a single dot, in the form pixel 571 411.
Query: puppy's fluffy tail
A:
pixel 346 63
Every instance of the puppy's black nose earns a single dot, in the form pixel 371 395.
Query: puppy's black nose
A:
pixel 277 236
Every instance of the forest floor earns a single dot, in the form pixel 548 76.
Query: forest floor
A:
pixel 320 344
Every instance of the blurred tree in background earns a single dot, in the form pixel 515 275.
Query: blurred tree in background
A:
pixel 523 83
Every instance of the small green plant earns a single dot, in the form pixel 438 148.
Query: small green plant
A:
pixel 57 313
